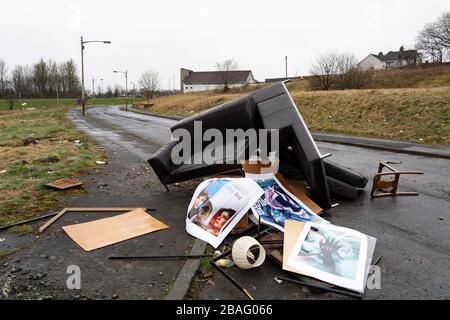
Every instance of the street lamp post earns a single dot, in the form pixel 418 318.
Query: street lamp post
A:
pixel 134 91
pixel 82 42
pixel 126 86
pixel 93 86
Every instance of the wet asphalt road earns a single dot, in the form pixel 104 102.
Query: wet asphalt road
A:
pixel 38 270
pixel 413 233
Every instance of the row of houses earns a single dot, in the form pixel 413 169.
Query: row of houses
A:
pixel 192 81
pixel 392 59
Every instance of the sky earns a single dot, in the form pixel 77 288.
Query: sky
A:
pixel 165 35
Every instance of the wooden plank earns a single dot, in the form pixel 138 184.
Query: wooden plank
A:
pixel 101 209
pixel 88 209
pixel 27 221
pixel 49 222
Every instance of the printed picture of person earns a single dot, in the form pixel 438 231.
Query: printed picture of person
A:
pixel 200 209
pixel 219 220
pixel 283 207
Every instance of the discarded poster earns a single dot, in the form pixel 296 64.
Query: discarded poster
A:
pixel 332 254
pixel 277 204
pixel 218 205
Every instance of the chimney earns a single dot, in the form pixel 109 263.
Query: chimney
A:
pixel 184 73
pixel 401 49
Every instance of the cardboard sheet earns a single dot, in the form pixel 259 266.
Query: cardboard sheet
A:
pixel 296 187
pixel 291 231
pixel 104 232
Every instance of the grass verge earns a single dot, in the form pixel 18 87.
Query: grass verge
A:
pixel 36 147
pixel 52 103
pixel 414 114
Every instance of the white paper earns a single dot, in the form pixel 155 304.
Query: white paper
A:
pixel 218 205
pixel 277 204
pixel 332 254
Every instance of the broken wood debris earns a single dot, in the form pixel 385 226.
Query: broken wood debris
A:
pixel 174 257
pixel 63 184
pixel 91 209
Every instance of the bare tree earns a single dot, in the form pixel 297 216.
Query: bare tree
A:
pixel 225 69
pixel 3 78
pixel 324 71
pixel 117 91
pixel 150 83
pixel 54 78
pixel 109 92
pixel 18 80
pixel 70 78
pixel 338 71
pixel 40 77
pixel 43 79
pixel 349 76
pixel 434 39
pixel 29 81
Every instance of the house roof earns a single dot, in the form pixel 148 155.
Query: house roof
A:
pixel 397 55
pixel 270 80
pixel 216 77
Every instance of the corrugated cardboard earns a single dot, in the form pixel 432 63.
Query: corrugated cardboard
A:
pixel 104 232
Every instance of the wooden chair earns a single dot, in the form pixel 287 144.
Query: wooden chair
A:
pixel 379 188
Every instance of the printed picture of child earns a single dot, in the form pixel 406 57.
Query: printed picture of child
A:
pixel 200 209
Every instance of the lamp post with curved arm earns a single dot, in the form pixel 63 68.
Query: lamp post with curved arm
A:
pixel 93 85
pixel 82 70
pixel 126 86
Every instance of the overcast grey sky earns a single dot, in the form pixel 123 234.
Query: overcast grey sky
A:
pixel 165 35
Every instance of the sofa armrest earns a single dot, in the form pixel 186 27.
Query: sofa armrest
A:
pixel 161 162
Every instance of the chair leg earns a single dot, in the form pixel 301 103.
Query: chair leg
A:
pixel 167 188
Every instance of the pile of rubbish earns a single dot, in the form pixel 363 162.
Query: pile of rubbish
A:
pixel 286 195
pixel 303 242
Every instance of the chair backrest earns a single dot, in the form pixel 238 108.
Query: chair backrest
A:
pixel 278 110
pixel 298 150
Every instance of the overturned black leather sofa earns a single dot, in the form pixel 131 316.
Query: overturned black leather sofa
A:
pixel 268 108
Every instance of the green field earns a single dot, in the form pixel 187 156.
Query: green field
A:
pixel 50 103
pixel 38 146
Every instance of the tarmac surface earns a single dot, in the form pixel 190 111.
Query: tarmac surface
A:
pixel 38 270
pixel 413 233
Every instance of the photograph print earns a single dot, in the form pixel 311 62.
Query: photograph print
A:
pixel 277 204
pixel 218 205
pixel 333 254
